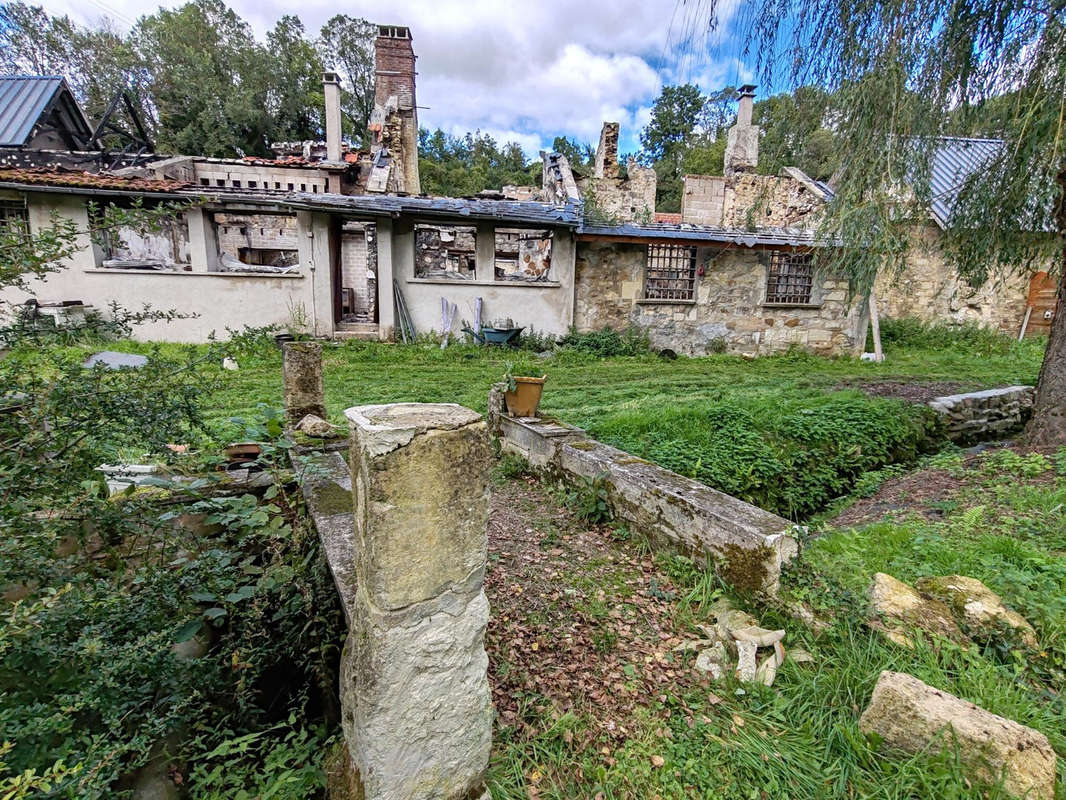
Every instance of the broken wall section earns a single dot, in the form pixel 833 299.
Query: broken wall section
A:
pixel 611 199
pixel 749 201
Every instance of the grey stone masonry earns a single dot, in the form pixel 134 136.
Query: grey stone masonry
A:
pixel 991 413
pixel 416 704
pixel 747 545
pixel 301 372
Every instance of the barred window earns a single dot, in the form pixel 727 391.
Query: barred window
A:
pixel 14 212
pixel 790 279
pixel 671 273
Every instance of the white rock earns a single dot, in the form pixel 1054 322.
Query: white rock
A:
pixel 694 644
pixel 911 716
pixel 315 426
pixel 767 670
pixel 713 660
pixel 229 363
pixel 760 637
pixel 746 661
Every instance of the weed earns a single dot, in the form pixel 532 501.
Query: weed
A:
pixel 511 466
pixel 590 500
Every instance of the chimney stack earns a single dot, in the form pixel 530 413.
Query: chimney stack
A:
pixel 331 90
pixel 742 144
pixel 395 112
pixel 607 152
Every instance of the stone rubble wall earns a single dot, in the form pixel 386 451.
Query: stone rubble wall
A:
pixel 930 289
pixel 728 313
pixel 985 415
pixel 746 545
pixel 629 199
pixel 748 201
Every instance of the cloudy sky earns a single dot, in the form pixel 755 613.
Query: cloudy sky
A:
pixel 523 71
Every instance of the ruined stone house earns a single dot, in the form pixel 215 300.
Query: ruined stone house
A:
pixel 332 240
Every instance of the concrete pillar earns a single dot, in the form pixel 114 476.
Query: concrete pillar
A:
pixel 386 303
pixel 331 93
pixel 485 252
pixel 203 241
pixel 301 370
pixel 416 704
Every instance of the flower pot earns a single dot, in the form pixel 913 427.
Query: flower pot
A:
pixel 525 399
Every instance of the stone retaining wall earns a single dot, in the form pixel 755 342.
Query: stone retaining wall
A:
pixel 988 414
pixel 748 546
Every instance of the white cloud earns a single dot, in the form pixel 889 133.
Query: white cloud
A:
pixel 522 71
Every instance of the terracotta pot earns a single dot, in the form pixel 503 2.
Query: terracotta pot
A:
pixel 525 399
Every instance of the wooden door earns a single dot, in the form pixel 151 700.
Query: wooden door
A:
pixel 1042 289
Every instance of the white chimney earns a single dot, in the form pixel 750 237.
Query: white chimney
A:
pixel 331 90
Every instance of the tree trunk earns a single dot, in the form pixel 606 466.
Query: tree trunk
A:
pixel 1048 425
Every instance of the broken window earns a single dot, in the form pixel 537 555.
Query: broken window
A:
pixel 523 254
pixel 160 245
pixel 13 212
pixel 790 278
pixel 671 273
pixel 257 242
pixel 445 251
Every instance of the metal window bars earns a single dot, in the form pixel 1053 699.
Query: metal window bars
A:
pixel 671 273
pixel 790 279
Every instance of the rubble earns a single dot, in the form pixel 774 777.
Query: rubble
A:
pixel 895 609
pixel 979 610
pixel 912 716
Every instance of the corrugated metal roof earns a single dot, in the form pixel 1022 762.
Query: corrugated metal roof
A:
pixel 23 98
pixel 953 161
pixel 761 237
pixel 386 204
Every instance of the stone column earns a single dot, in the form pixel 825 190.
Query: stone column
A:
pixel 417 709
pixel 301 371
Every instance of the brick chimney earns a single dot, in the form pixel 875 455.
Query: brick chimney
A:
pixel 394 105
pixel 331 90
pixel 742 144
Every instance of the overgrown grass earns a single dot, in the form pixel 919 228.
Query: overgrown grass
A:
pixel 781 431
pixel 800 738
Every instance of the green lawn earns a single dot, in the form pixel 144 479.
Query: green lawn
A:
pixel 784 432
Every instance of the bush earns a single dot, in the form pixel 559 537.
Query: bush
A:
pixel 608 342
pixel 790 456
pixel 966 337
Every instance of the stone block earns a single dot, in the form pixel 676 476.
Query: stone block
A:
pixel 417 707
pixel 301 370
pixel 420 478
pixel 912 716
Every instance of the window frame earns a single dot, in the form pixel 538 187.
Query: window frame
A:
pixel 681 252
pixel 794 284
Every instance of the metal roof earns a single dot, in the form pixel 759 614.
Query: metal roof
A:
pixel 23 99
pixel 523 211
pixel 761 237
pixel 953 161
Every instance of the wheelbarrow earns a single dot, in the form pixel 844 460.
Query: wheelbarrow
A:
pixel 499 336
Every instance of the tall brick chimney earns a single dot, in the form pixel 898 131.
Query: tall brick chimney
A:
pixel 742 144
pixel 331 91
pixel 394 104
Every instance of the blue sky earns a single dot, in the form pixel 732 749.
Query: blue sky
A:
pixel 524 71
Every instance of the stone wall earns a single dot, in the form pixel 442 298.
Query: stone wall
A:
pixel 745 544
pixel 728 312
pixel 748 201
pixel 931 290
pixel 613 199
pixel 990 414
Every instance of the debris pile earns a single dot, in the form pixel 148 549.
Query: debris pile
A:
pixel 736 641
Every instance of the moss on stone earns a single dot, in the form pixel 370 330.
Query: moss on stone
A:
pixel 745 568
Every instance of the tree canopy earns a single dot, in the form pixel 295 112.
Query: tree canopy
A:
pixel 200 80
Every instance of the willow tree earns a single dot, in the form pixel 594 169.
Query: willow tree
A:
pixel 908 71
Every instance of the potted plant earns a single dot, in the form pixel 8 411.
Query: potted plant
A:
pixel 523 393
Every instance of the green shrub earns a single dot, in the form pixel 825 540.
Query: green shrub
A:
pixel 969 337
pixel 608 342
pixel 788 455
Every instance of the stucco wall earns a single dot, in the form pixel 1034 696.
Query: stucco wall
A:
pixel 728 309
pixel 546 306
pixel 220 299
pixel 931 289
